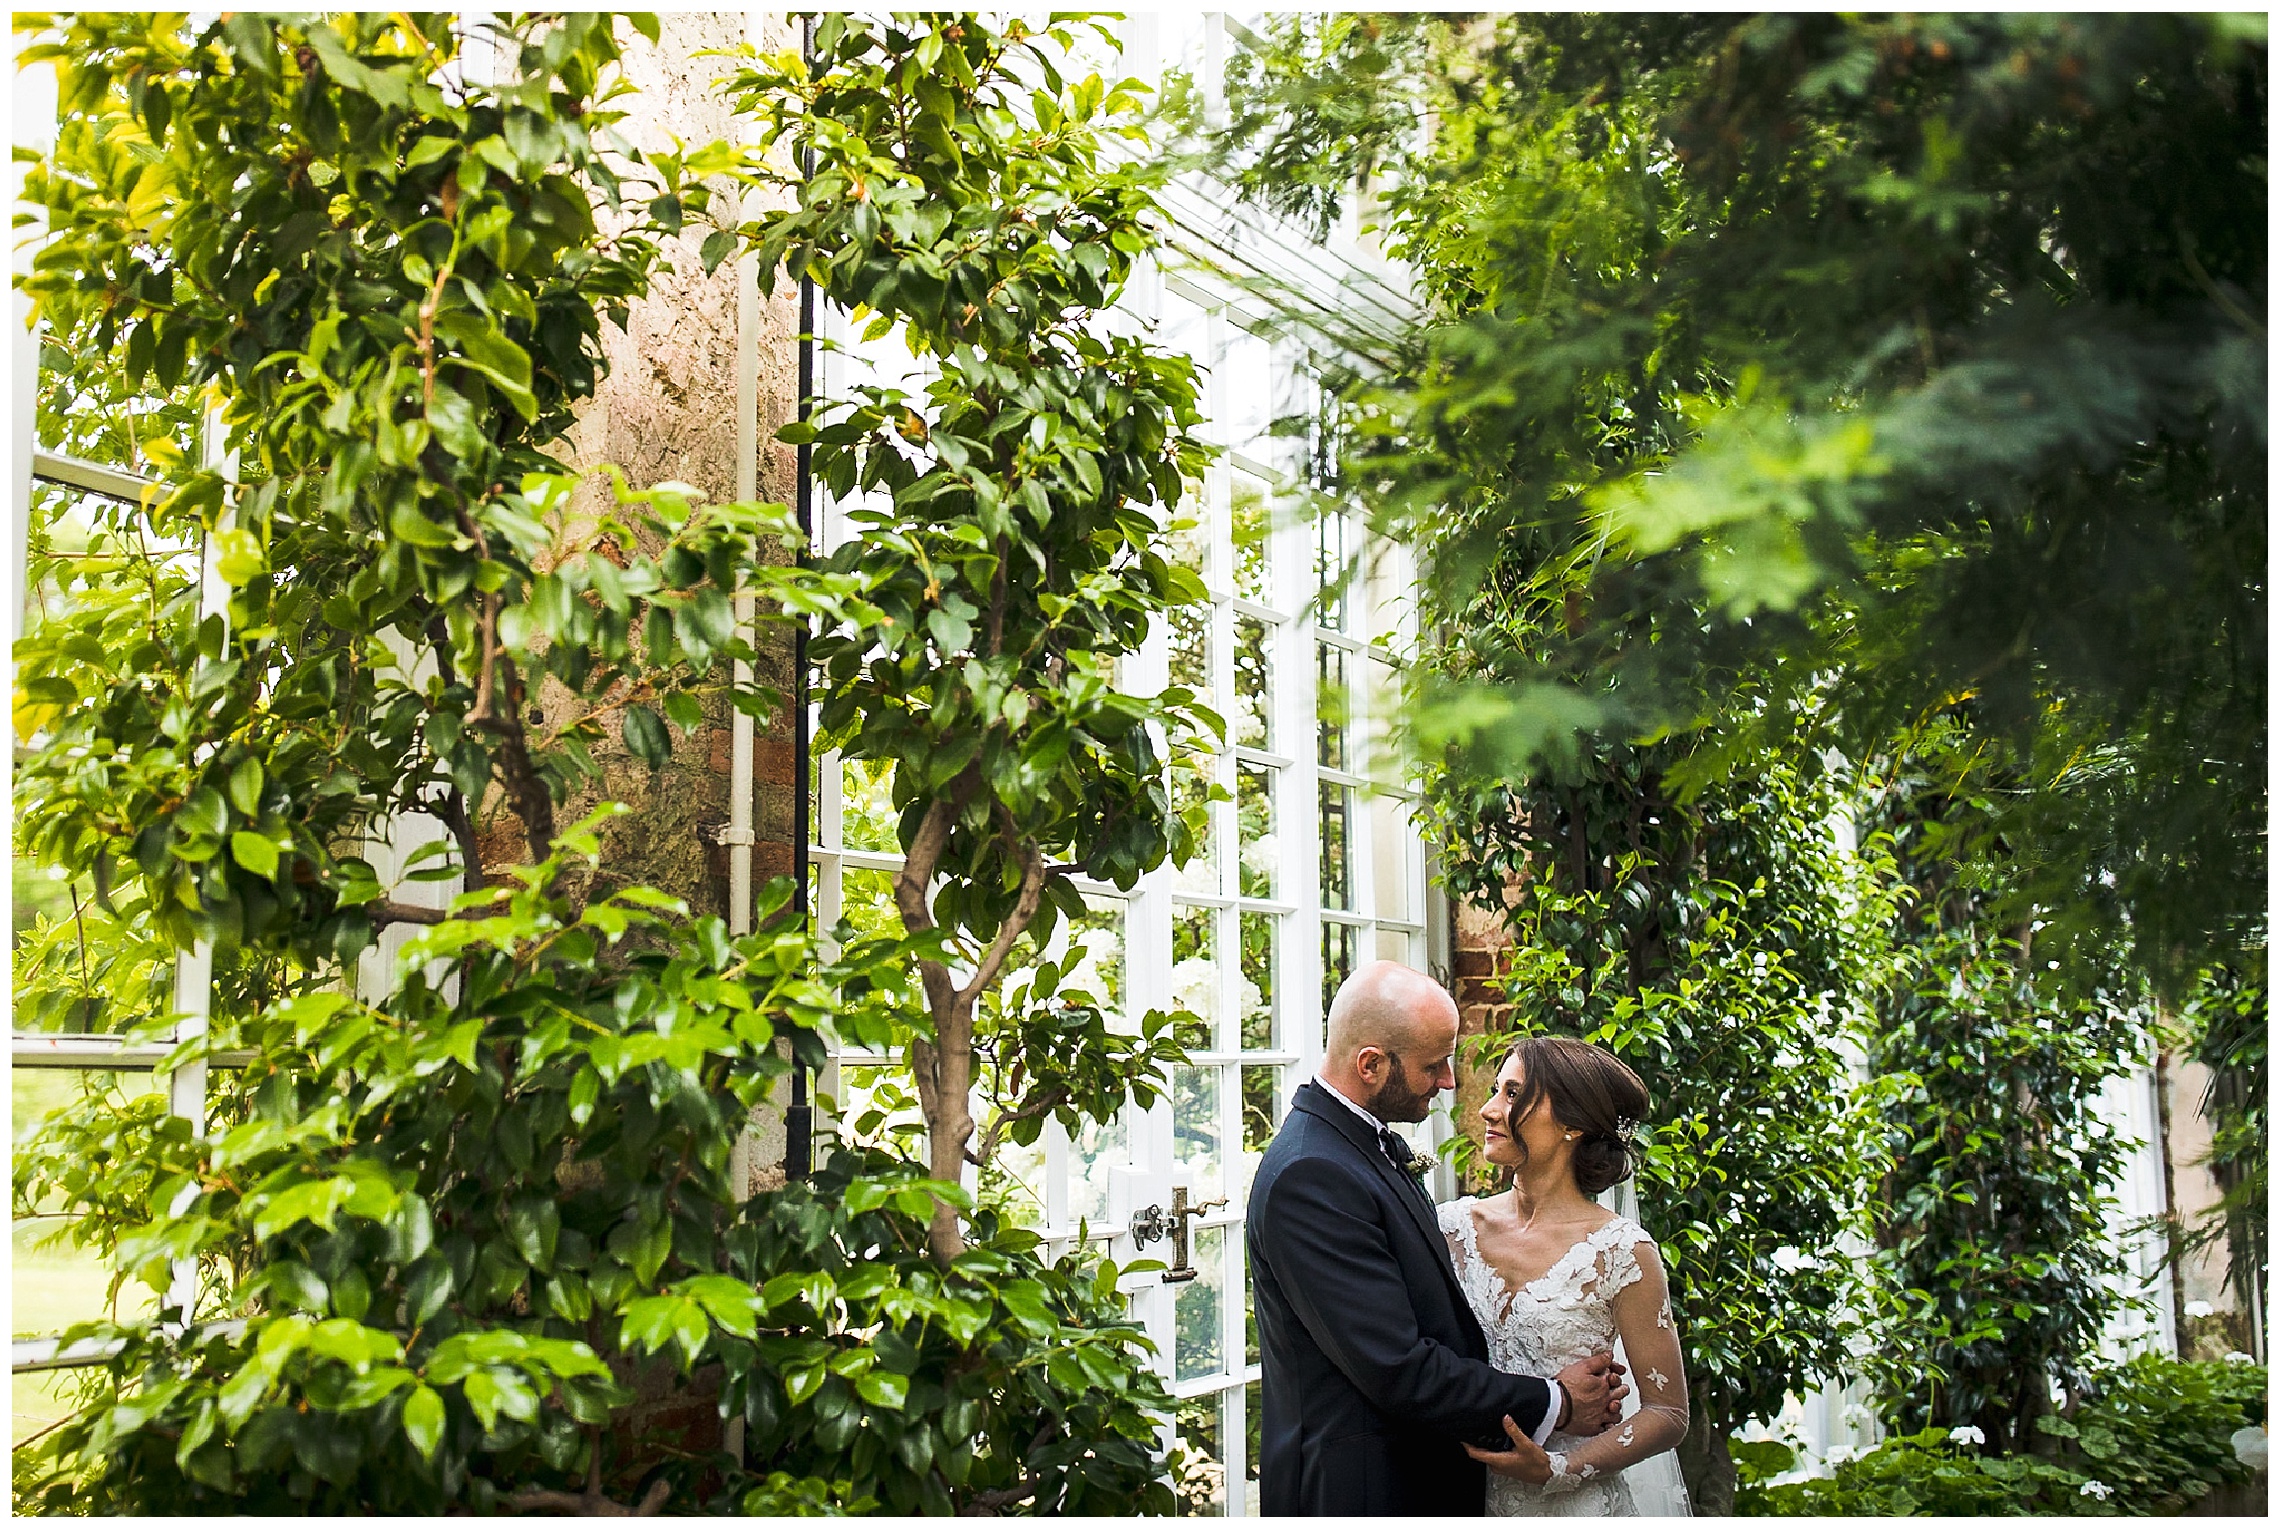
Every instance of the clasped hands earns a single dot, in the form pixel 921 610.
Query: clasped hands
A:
pixel 1595 1391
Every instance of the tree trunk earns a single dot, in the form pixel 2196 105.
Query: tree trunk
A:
pixel 1707 1464
pixel 949 1126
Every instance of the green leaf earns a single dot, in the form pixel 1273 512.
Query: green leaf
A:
pixel 255 853
pixel 245 787
pixel 238 558
pixel 646 738
pixel 883 1389
pixel 800 1384
pixel 491 353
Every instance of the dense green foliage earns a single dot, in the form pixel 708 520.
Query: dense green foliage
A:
pixel 1997 1209
pixel 1012 559
pixel 446 1220
pixel 1907 364
pixel 2154 1436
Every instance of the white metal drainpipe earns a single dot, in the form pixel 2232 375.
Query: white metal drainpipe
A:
pixel 739 836
pixel 194 968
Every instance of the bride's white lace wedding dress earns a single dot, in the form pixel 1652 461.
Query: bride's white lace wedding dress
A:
pixel 1609 1286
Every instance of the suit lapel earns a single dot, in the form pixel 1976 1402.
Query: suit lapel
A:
pixel 1312 1099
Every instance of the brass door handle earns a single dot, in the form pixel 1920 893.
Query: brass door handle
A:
pixel 1181 1270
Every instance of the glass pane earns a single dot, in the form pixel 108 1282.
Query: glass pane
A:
pixel 1202 1478
pixel 1183 326
pixel 1093 1150
pixel 1253 722
pixel 1255 828
pixel 1014 1183
pixel 1330 706
pixel 60 988
pixel 1246 371
pixel 1337 959
pixel 878 1108
pixel 1337 813
pixel 1195 973
pixel 867 805
pixel 1093 961
pixel 1190 546
pixel 1187 650
pixel 1331 559
pixel 1190 787
pixel 1199 1343
pixel 1195 1130
pixel 1259 1117
pixel 1389 857
pixel 867 900
pixel 1398 945
pixel 57 1283
pixel 1257 988
pixel 1254 1407
pixel 1250 517
pixel 39 1399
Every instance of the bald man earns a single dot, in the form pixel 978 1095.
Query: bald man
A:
pixel 1377 1372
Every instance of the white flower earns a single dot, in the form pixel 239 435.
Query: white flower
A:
pixel 1662 1381
pixel 2097 1489
pixel 1195 986
pixel 1840 1454
pixel 2199 1309
pixel 2237 1357
pixel 1966 1434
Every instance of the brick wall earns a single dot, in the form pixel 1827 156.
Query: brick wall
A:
pixel 1479 945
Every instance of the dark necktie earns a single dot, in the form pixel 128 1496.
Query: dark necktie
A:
pixel 1397 1152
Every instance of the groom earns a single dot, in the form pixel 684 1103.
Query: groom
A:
pixel 1376 1371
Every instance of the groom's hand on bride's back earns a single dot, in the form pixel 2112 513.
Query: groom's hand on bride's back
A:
pixel 1595 1392
pixel 1524 1461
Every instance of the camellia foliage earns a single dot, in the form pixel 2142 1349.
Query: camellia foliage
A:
pixel 444 1218
pixel 1998 1205
pixel 959 192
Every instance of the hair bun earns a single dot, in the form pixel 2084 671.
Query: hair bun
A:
pixel 1601 1162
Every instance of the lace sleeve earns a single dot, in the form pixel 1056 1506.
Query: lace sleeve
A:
pixel 1455 1218
pixel 1658 1372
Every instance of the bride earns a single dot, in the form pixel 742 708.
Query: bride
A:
pixel 1554 1277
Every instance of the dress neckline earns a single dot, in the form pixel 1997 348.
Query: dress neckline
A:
pixel 1591 1244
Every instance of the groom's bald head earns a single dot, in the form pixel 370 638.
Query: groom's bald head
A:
pixel 1391 1032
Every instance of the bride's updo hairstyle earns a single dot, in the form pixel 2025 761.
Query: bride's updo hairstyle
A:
pixel 1590 1092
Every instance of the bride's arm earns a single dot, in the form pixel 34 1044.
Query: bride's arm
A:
pixel 1650 1339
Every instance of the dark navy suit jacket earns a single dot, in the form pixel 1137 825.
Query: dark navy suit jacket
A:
pixel 1375 1367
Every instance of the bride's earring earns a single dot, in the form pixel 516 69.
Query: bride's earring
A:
pixel 1572 1135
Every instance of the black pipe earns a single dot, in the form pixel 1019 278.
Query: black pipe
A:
pixel 799 1119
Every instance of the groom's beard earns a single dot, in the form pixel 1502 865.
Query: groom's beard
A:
pixel 1397 1100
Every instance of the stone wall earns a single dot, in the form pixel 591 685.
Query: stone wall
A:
pixel 668 411
pixel 2193 1192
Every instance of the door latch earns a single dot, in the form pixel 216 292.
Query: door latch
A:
pixel 1153 1225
